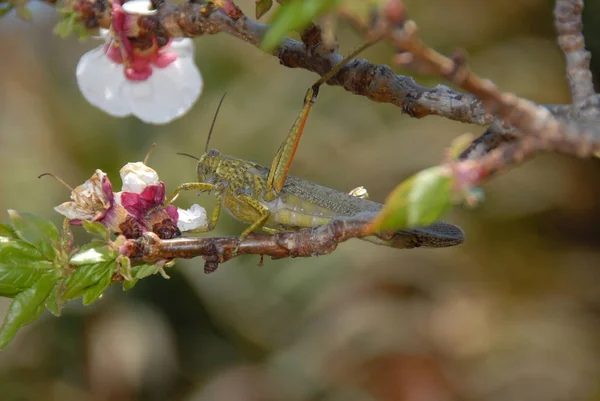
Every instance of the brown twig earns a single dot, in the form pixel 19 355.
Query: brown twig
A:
pixel 580 138
pixel 377 82
pixel 473 172
pixel 307 242
pixel 492 138
pixel 569 26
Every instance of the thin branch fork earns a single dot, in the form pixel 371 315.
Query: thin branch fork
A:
pixel 575 137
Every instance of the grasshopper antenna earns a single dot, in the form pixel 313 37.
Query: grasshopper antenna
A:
pixel 57 179
pixel 188 155
pixel 212 125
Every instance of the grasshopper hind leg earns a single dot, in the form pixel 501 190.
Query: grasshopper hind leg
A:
pixel 264 213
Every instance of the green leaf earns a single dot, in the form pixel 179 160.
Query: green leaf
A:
pixel 419 201
pixel 91 294
pixel 64 27
pixel 86 277
pixel 7 233
pixel 459 145
pixel 95 228
pixel 144 270
pixel 21 265
pixel 82 32
pixel 37 231
pixel 293 16
pixel 129 284
pixel 262 7
pixel 17 252
pixel 15 279
pixel 93 252
pixel 56 300
pixel 6 8
pixel 26 307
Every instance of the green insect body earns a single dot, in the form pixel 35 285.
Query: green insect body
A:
pixel 241 188
pixel 271 200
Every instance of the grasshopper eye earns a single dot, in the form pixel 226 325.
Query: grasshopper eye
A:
pixel 213 153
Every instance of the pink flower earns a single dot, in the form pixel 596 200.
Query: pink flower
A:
pixel 94 201
pixel 157 84
pixel 137 208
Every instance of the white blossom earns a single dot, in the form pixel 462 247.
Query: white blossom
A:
pixel 157 86
pixel 192 218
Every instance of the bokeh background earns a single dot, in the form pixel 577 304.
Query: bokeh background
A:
pixel 512 314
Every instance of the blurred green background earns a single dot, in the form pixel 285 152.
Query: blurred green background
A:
pixel 512 314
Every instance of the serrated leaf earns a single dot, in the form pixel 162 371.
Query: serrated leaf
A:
pixel 95 228
pixel 82 32
pixel 21 265
pixel 262 7
pixel 418 201
pixel 26 307
pixel 293 16
pixel 145 270
pixel 430 198
pixel 93 252
pixel 129 284
pixel 55 301
pixel 37 231
pixel 15 278
pixel 91 294
pixel 64 27
pixel 7 233
pixel 87 277
pixel 18 253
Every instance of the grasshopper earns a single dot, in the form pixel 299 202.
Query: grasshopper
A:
pixel 273 201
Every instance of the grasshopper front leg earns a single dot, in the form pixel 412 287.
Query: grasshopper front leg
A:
pixel 189 186
pixel 200 187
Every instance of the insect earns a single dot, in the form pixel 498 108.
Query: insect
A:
pixel 271 200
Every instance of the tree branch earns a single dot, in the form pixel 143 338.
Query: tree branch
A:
pixel 376 82
pixel 361 77
pixel 580 138
pixel 306 242
pixel 569 26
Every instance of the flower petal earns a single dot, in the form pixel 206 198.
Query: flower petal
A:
pixel 91 200
pixel 132 203
pixel 138 205
pixel 137 176
pixel 184 47
pixel 100 81
pixel 154 195
pixel 192 218
pixel 73 211
pixel 168 94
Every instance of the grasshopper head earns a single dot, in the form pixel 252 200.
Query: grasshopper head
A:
pixel 207 166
